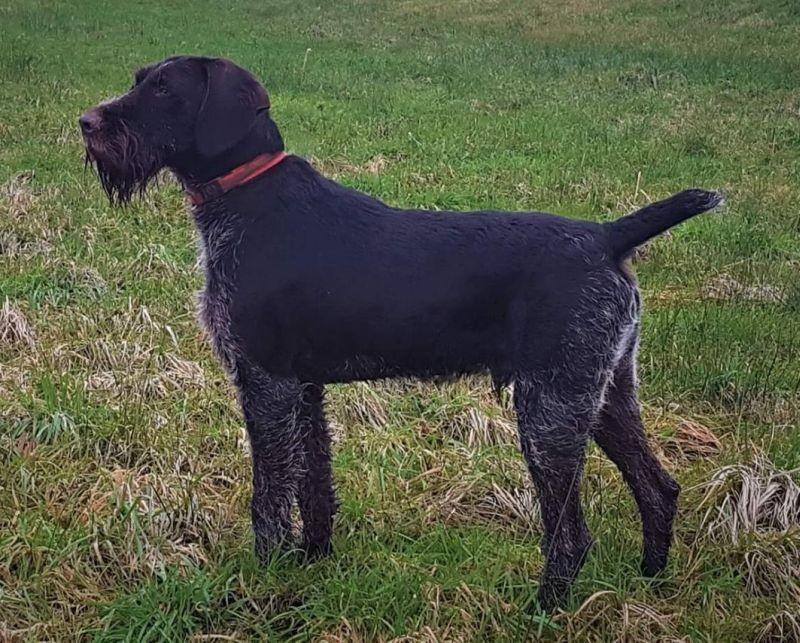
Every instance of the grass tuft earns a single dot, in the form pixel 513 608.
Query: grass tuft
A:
pixel 15 330
pixel 750 499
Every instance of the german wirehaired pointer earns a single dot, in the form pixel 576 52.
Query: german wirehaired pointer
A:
pixel 309 282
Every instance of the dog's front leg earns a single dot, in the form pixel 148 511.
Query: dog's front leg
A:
pixel 316 498
pixel 271 406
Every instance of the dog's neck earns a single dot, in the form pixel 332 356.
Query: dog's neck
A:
pixel 193 170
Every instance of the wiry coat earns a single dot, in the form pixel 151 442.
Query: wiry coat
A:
pixel 309 282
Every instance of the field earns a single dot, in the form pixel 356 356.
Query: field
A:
pixel 124 472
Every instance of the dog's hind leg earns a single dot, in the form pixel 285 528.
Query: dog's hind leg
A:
pixel 271 407
pixel 316 495
pixel 619 432
pixel 554 423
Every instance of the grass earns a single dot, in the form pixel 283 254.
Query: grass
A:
pixel 124 478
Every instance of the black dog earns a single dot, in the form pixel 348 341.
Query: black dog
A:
pixel 309 282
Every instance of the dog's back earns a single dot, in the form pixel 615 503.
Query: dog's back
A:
pixel 332 285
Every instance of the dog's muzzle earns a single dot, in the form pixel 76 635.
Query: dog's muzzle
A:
pixel 91 121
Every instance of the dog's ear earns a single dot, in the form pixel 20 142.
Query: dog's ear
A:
pixel 231 103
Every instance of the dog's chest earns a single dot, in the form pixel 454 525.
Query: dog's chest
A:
pixel 214 317
pixel 216 246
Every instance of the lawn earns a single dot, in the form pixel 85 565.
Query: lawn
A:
pixel 124 474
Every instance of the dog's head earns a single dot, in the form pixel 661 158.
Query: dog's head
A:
pixel 184 107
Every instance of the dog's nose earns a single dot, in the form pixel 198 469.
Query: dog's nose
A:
pixel 90 121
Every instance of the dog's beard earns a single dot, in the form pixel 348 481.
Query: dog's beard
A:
pixel 125 164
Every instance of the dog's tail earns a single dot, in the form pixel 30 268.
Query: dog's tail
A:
pixel 630 231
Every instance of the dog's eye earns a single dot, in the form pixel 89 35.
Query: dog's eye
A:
pixel 161 88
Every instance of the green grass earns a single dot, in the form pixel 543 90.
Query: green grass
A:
pixel 123 473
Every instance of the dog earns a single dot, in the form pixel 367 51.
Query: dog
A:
pixel 308 282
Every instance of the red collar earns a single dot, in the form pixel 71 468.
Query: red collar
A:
pixel 240 175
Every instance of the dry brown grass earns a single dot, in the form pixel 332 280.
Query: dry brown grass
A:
pixel 604 616
pixel 751 498
pixel 474 606
pixel 16 196
pixel 783 627
pixel 771 565
pixel 726 288
pixel 14 245
pixel 141 522
pixel 474 428
pixel 753 512
pixel 13 381
pixel 691 440
pixel 336 167
pixel 15 330
pixel 472 503
pixel 677 439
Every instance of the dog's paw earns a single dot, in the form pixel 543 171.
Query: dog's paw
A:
pixel 314 550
